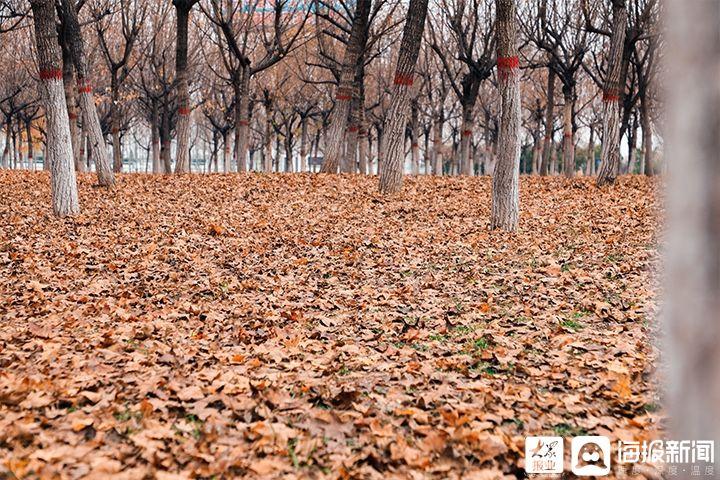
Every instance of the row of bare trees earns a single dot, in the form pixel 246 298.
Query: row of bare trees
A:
pixel 286 86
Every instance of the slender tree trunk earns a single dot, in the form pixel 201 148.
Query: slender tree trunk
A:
pixel 568 137
pixel 343 96
pixel 437 144
pixel 242 119
pixel 303 144
pixel 590 170
pixel 30 146
pixel 115 124
pixel 396 120
pixel 549 121
pixel 470 94
pixel 103 167
pixel 268 167
pixel 647 137
pixel 415 137
pixel 226 151
pixel 505 194
pixel 612 89
pixel 6 150
pixel 692 289
pixel 183 8
pixel 63 184
pixel 155 138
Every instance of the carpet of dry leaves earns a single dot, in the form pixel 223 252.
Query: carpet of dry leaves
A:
pixel 301 326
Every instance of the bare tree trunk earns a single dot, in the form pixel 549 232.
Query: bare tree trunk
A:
pixel 590 167
pixel 549 119
pixel 692 309
pixel 303 144
pixel 610 151
pixel 414 137
pixel 646 124
pixel 30 146
pixel 349 162
pixel 343 96
pixel 437 145
pixel 242 119
pixel 396 121
pixel 63 184
pixel 465 138
pixel 505 193
pixel 568 137
pixel 155 139
pixel 115 124
pixel 71 101
pixel 105 174
pixel 182 8
pixel 226 152
pixel 267 156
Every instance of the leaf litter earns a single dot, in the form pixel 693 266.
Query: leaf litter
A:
pixel 302 326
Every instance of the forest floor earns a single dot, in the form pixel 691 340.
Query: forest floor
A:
pixel 301 326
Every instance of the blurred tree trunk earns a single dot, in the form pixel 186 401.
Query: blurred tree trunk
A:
pixel 612 89
pixel 303 144
pixel 393 145
pixel 692 309
pixel 63 184
pixel 505 191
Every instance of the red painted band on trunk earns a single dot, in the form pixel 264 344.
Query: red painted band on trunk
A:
pixel 184 111
pixel 466 133
pixel 243 123
pixel 352 129
pixel 85 89
pixel 72 116
pixel 568 135
pixel 415 145
pixel 611 95
pixel 51 74
pixel 508 63
pixel 403 79
pixel 342 97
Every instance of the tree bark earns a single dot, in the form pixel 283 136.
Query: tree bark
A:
pixel 505 193
pixel 415 137
pixel 646 124
pixel 115 123
pixel 183 8
pixel 267 155
pixel 612 89
pixel 568 136
pixel 71 102
pixel 549 120
pixel 63 184
pixel 303 144
pixel 343 96
pixel 692 288
pixel 242 119
pixel 393 144
pixel 437 144
pixel 106 178
pixel 590 170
